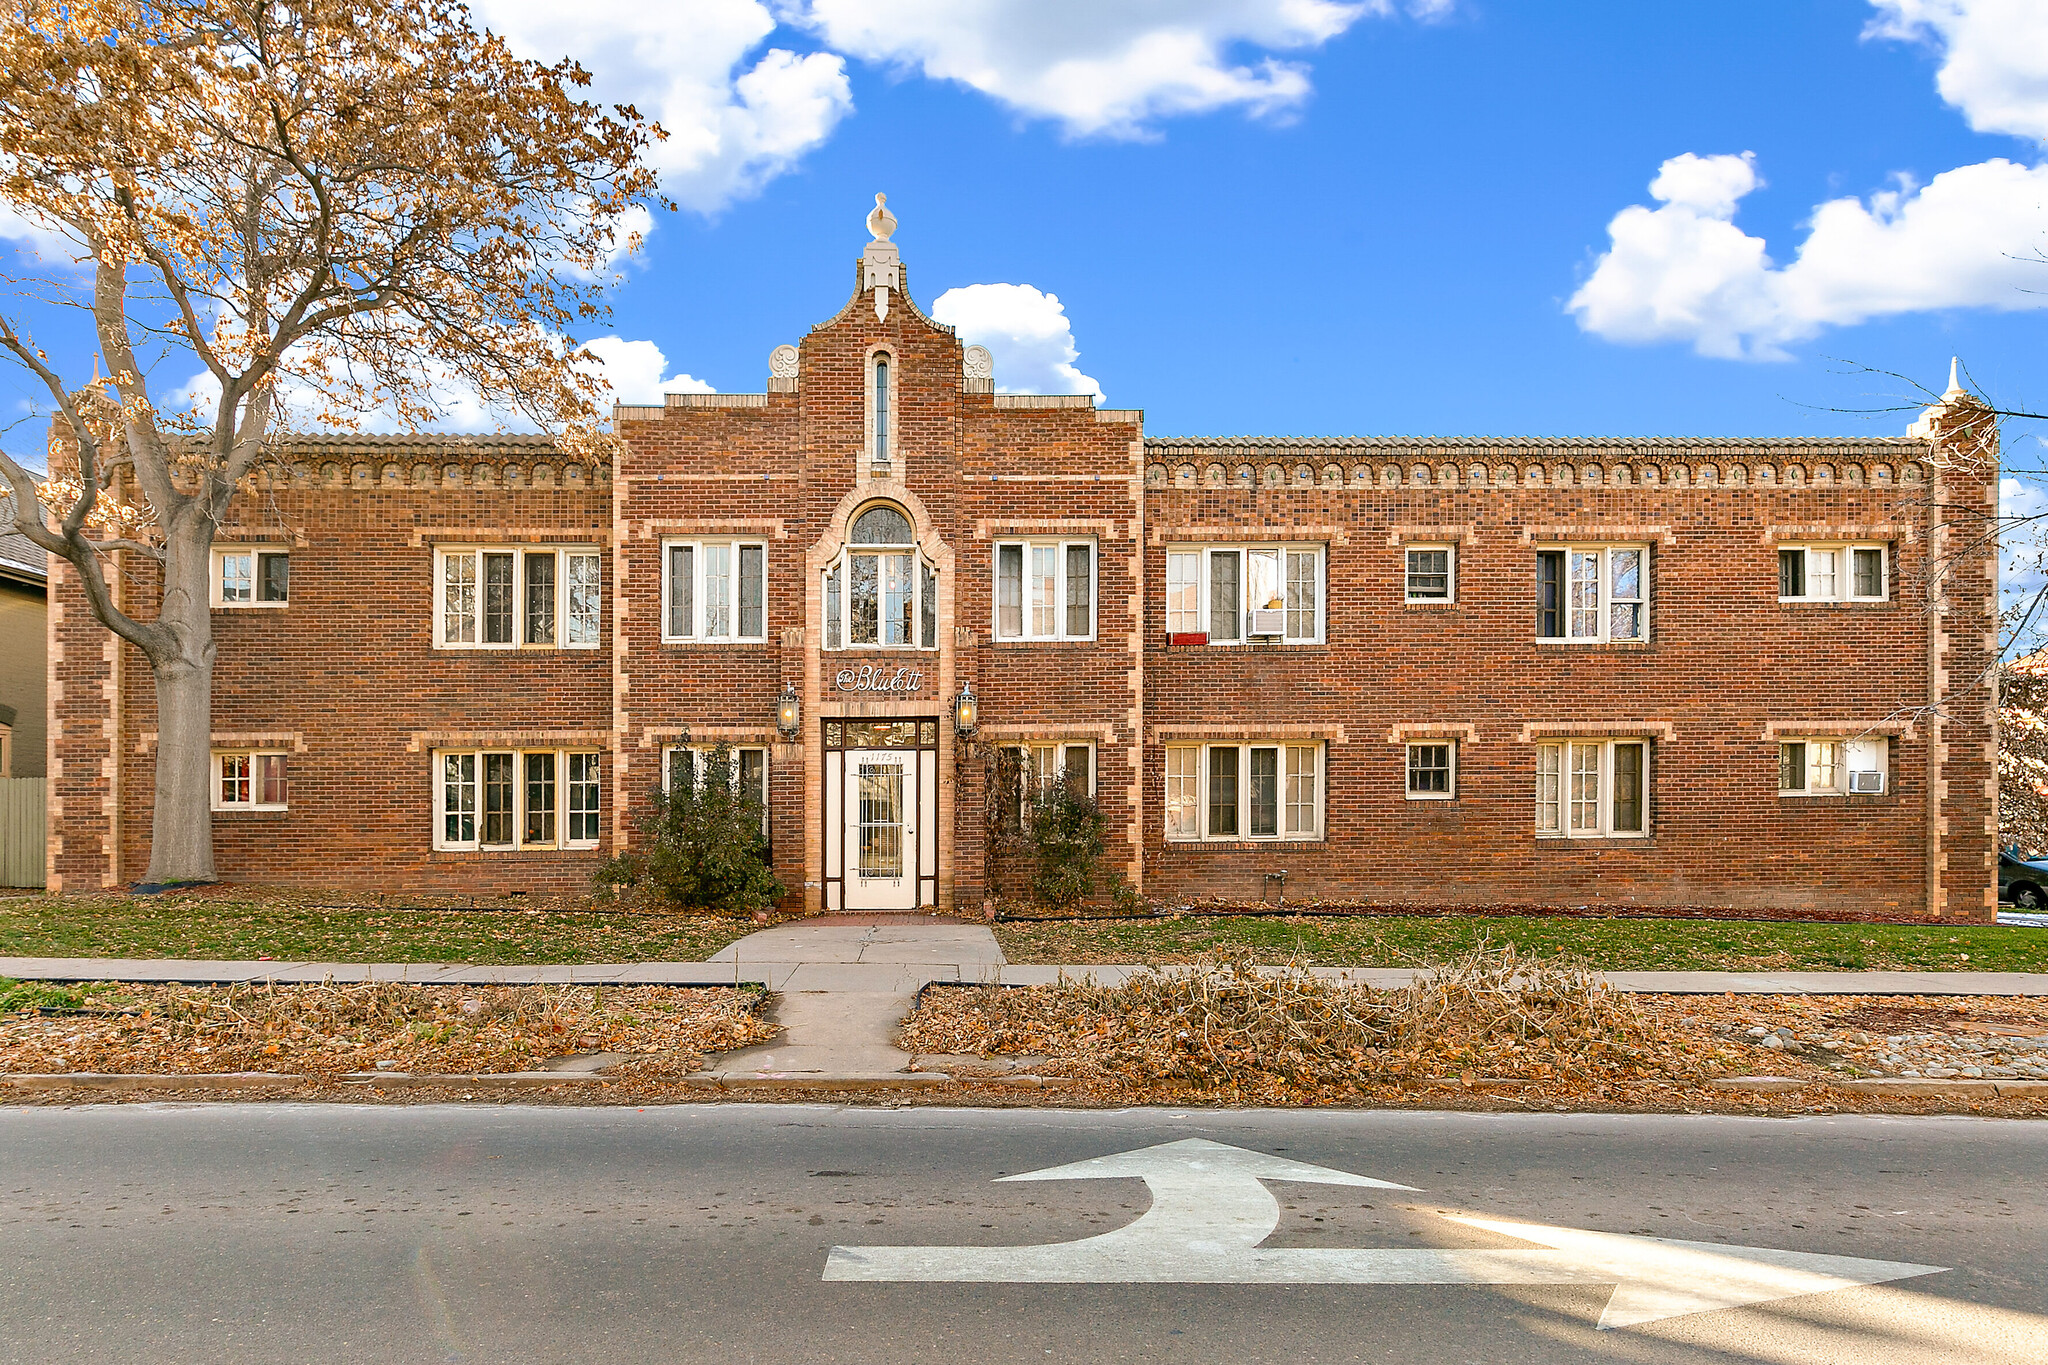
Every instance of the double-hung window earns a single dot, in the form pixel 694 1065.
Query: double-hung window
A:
pixel 1432 770
pixel 689 766
pixel 1832 767
pixel 249 781
pixel 1833 573
pixel 1244 791
pixel 1429 573
pixel 1229 594
pixel 715 590
pixel 1593 593
pixel 1593 789
pixel 251 578
pixel 517 798
pixel 509 597
pixel 881 591
pixel 1045 590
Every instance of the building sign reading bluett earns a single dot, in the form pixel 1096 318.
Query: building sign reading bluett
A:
pixel 880 678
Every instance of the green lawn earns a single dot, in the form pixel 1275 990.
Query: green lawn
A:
pixel 1616 944
pixel 226 926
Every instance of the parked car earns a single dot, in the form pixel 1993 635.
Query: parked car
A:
pixel 2023 881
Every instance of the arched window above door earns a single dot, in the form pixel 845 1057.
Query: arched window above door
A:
pixel 881 591
pixel 882 524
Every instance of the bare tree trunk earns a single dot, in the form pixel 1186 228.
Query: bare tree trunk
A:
pixel 181 826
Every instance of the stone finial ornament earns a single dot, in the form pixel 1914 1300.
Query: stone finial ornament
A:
pixel 977 363
pixel 782 362
pixel 881 222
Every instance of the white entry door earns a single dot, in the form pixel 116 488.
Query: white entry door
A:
pixel 881 829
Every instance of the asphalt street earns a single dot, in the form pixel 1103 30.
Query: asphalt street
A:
pixel 703 1232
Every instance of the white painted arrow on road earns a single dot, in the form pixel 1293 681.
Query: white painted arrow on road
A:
pixel 1210 1210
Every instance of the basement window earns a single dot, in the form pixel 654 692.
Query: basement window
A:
pixel 249 781
pixel 520 798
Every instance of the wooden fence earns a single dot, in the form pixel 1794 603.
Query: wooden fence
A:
pixel 22 839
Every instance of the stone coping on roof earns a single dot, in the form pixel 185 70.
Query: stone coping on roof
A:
pixel 1509 444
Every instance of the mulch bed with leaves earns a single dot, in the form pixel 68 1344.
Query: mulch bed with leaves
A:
pixel 1491 1028
pixel 325 1032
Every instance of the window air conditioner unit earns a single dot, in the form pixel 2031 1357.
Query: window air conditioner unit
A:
pixel 1269 621
pixel 1866 782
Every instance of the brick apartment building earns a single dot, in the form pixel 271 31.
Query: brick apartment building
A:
pixel 1744 673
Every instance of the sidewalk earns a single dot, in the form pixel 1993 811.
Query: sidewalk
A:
pixel 820 967
pixel 844 987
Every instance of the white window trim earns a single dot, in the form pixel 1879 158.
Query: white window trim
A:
pixel 920 568
pixel 1603 612
pixel 250 805
pixel 520 554
pixel 218 588
pixel 1845 573
pixel 1207 549
pixel 1244 777
pixel 1450 575
pixel 1408 767
pixel 562 841
pixel 697 600
pixel 1606 829
pixel 1059 548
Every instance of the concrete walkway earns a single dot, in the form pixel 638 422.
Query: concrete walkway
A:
pixel 868 971
pixel 844 985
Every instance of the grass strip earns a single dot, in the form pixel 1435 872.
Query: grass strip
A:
pixel 237 928
pixel 1613 944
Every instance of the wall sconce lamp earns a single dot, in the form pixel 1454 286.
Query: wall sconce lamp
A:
pixel 967 711
pixel 788 712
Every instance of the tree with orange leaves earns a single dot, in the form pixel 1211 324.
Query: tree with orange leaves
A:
pixel 329 207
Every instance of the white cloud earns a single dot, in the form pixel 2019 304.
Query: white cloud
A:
pixel 1973 237
pixel 1994 57
pixel 1101 66
pixel 1685 272
pixel 638 371
pixel 735 119
pixel 36 239
pixel 1027 333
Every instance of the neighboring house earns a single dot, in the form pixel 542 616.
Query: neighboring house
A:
pixel 24 643
pixel 1650 671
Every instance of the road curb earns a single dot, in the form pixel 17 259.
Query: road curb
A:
pixel 817 1080
pixel 1985 1088
pixel 106 1080
pixel 502 1080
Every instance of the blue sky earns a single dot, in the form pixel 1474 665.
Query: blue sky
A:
pixel 1311 217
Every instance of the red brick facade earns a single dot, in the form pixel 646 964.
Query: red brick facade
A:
pixel 354 683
